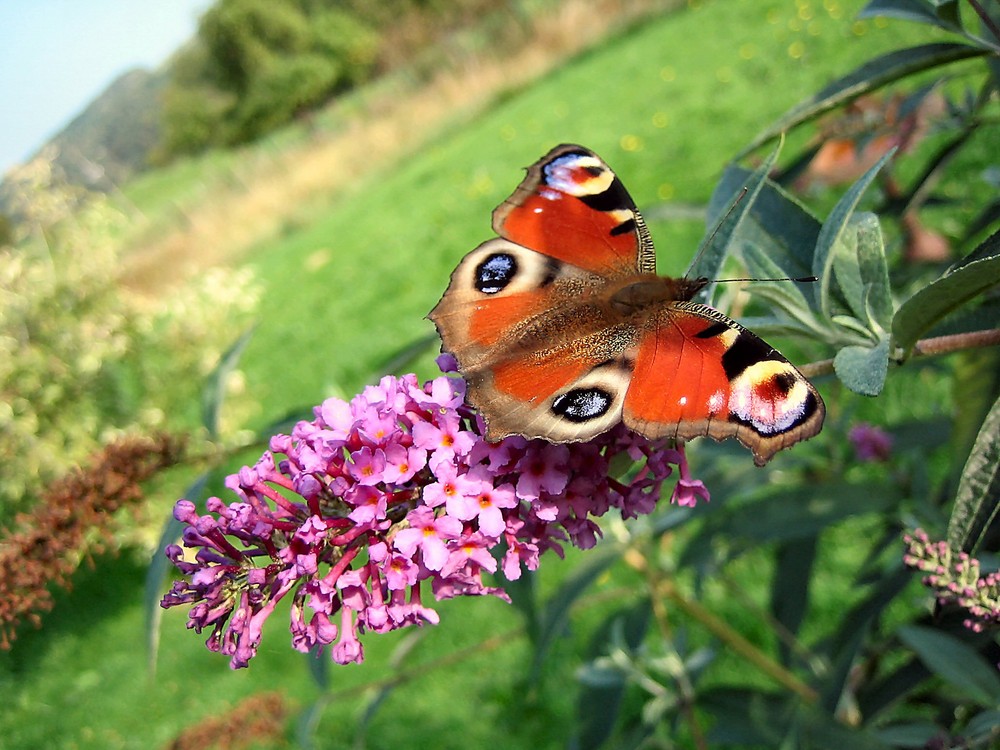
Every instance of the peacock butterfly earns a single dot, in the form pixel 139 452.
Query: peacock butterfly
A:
pixel 561 327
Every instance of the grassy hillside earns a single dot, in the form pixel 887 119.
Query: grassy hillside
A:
pixel 349 268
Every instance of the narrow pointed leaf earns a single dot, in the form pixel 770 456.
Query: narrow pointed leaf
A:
pixel 852 629
pixel 599 703
pixel 942 15
pixel 778 514
pixel 955 662
pixel 835 225
pixel 790 587
pixel 920 190
pixel 963 282
pixel 989 214
pixel 863 369
pixel 976 504
pixel 915 735
pixel 986 724
pixel 159 565
pixel 403 357
pixel 874 74
pixel 821 730
pixel 976 375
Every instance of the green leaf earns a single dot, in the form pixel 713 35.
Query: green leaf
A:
pixel 976 506
pixel 918 192
pixel 778 514
pixel 786 294
pixel 863 369
pixel 989 214
pixel 874 271
pixel 820 729
pixel 403 357
pixel 847 272
pixel 955 662
pixel 944 15
pixel 874 74
pixel 833 228
pixel 671 519
pixel 745 716
pixel 523 594
pixel 987 724
pixel 976 376
pixel 215 388
pixel 712 251
pixel 961 283
pixel 843 648
pixel 886 692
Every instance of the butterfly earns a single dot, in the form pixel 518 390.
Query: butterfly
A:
pixel 562 329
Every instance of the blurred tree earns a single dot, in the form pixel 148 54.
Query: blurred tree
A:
pixel 255 65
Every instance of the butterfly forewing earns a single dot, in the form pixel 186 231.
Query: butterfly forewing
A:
pixel 572 207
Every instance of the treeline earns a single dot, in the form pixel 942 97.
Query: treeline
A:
pixel 254 65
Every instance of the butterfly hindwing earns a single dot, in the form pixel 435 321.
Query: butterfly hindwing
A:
pixel 724 381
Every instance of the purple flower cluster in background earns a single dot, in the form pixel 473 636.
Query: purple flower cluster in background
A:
pixel 870 443
pixel 956 579
pixel 356 509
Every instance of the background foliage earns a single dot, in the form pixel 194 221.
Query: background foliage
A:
pixel 779 614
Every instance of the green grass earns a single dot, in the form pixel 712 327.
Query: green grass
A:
pixel 348 284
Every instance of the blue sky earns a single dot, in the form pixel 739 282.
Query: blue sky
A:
pixel 57 55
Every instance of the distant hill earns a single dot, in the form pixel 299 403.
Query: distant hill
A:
pixel 101 148
pixel 111 139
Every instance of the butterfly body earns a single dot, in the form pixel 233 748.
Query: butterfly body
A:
pixel 561 327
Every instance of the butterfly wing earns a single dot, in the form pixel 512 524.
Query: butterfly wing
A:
pixel 572 207
pixel 698 373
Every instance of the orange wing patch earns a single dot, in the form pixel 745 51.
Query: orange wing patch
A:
pixel 536 378
pixel 678 377
pixel 492 317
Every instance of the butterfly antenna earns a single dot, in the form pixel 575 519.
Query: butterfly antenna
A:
pixel 780 278
pixel 715 230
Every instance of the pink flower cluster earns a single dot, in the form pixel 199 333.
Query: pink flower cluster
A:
pixel 956 578
pixel 376 496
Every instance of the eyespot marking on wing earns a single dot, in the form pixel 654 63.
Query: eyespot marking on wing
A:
pixel 495 272
pixel 583 404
